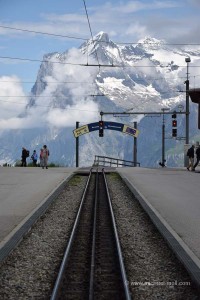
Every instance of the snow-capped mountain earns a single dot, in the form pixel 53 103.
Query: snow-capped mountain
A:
pixel 105 76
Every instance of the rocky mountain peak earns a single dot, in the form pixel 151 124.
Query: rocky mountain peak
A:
pixel 102 37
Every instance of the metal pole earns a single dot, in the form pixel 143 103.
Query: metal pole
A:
pixel 162 164
pixel 135 147
pixel 199 115
pixel 187 111
pixel 163 142
pixel 77 147
pixel 187 106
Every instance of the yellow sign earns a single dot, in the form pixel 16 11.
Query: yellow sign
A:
pixel 81 130
pixel 130 130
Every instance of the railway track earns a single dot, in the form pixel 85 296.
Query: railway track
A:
pixel 92 266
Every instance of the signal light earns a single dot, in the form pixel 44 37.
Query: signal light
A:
pixel 174 132
pixel 101 127
pixel 174 123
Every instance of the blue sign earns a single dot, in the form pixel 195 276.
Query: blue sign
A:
pixel 93 126
pixel 113 126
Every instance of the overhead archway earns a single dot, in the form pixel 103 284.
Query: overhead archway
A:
pixel 107 125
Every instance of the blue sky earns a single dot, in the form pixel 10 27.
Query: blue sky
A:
pixel 175 21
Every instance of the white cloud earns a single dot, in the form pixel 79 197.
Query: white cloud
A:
pixel 194 73
pixel 136 29
pixel 12 98
pixel 135 6
pixel 81 107
pixel 85 112
pixel 12 123
pixel 60 104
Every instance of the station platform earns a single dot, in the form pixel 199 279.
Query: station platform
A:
pixel 22 192
pixel 171 197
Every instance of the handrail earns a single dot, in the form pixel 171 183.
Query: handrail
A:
pixel 114 161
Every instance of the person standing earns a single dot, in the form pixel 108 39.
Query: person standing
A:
pixel 24 156
pixel 198 158
pixel 34 158
pixel 190 154
pixel 45 156
pixel 41 157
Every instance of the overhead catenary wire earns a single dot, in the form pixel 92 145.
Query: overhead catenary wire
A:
pixel 89 95
pixel 49 106
pixel 94 83
pixel 44 33
pixel 53 82
pixel 47 96
pixel 91 65
pixel 58 62
pixel 86 39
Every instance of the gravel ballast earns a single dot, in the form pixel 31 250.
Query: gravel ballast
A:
pixel 153 271
pixel 30 271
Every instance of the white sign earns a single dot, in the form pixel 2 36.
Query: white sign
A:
pixel 81 130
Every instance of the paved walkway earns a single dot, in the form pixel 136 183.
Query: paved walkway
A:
pixel 175 195
pixel 22 190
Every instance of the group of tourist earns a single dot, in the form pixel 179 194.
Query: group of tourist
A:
pixel 190 153
pixel 43 157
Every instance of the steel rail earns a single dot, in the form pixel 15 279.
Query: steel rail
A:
pixel 92 266
pixel 122 267
pixel 67 251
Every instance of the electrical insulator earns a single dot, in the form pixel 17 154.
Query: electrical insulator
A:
pixel 174 116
